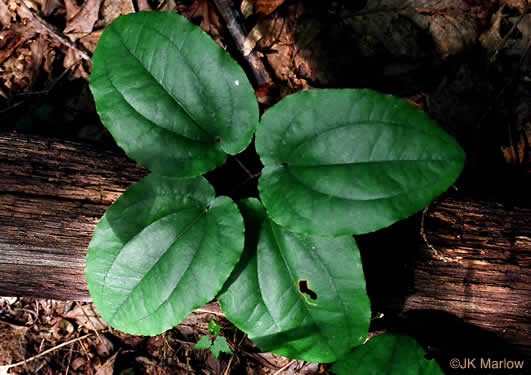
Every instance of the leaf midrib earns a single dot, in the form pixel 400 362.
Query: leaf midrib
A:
pixel 312 189
pixel 295 282
pixel 177 238
pixel 354 123
pixel 153 124
pixel 376 162
pixel 155 80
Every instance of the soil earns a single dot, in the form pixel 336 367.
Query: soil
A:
pixel 465 62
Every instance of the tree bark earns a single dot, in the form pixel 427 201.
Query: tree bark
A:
pixel 52 194
pixel 475 269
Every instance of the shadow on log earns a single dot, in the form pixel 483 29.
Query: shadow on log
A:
pixel 52 194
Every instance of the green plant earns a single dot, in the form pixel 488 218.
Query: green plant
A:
pixel 214 342
pixel 337 163
pixel 387 354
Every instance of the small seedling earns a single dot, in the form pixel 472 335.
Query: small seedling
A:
pixel 214 342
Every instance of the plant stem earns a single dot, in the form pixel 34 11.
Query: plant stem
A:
pixel 239 34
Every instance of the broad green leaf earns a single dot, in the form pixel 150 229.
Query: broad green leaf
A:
pixel 203 343
pixel 387 354
pixel 173 99
pixel 220 345
pixel 298 296
pixel 213 328
pixel 351 161
pixel 163 249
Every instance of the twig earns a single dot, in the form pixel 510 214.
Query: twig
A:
pixel 244 167
pixel 180 342
pixel 211 308
pixel 53 84
pixel 263 361
pixel 238 33
pixel 506 37
pixel 226 372
pixel 32 313
pixel 90 321
pixel 6 367
pixel 17 104
pixel 51 30
pixel 37 311
pixel 285 367
pixel 69 360
pixel 86 355
pixel 202 310
pixel 13 326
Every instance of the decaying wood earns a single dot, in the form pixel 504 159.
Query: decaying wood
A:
pixel 51 197
pixel 52 194
pixel 479 277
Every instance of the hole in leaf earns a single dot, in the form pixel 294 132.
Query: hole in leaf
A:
pixel 304 288
pixel 218 140
pixel 284 164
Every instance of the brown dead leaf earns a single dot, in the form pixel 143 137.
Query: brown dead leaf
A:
pixel 247 8
pixel 6 15
pixel 49 60
pixel 39 48
pixel 155 345
pixel 13 343
pixel 108 366
pixel 187 10
pixel 143 5
pixel 77 363
pixel 126 7
pixel 254 36
pixel 62 329
pixel 523 24
pixel 86 316
pixel 210 23
pixel 515 4
pixel 105 346
pixel 274 36
pixel 515 44
pixel 71 9
pixel 491 39
pixel 74 62
pixel 16 61
pixel 50 6
pixel 112 9
pixel 519 151
pixel 91 41
pixel 9 42
pixel 85 19
pixel 453 24
pixel 276 360
pixel 265 7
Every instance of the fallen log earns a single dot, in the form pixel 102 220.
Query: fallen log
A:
pixel 471 263
pixel 52 194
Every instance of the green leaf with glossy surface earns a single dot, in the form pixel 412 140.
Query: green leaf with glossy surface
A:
pixel 387 354
pixel 351 161
pixel 173 99
pixel 298 296
pixel 163 249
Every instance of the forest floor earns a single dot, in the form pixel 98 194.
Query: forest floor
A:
pixel 465 62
